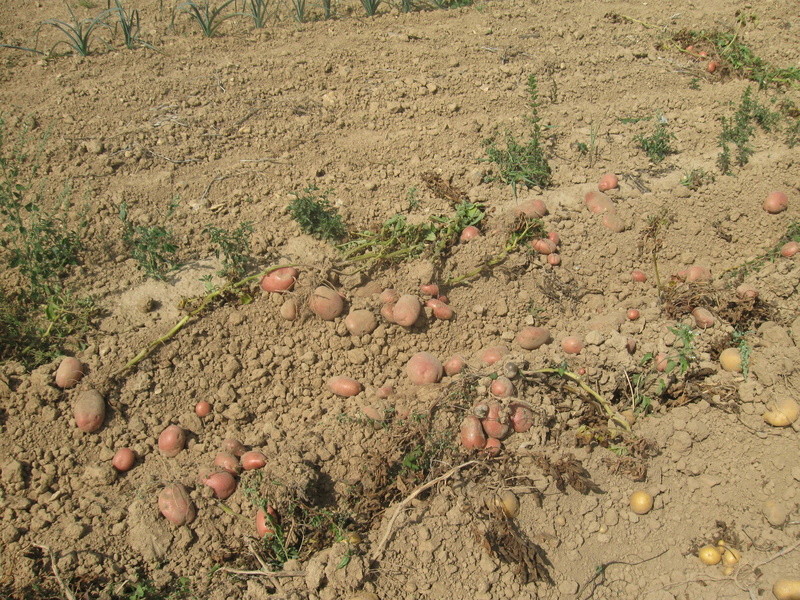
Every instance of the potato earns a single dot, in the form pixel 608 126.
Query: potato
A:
pixel 429 289
pixel 264 523
pixel 521 417
pixel 175 504
pixel 492 354
pixel 69 372
pixel 572 344
pixel 223 484
pixel 783 412
pixel 598 202
pixel 423 368
pixel 703 318
pixel 554 259
pixel 441 311
pixel 360 322
pixel 746 292
pixel 227 462
pixel 633 314
pixel 776 202
pixel 789 249
pixel 613 222
pixel 344 386
pixel 472 436
pixel 233 446
pixel 531 338
pixel 697 274
pixel 124 459
pixel 279 280
pixel 89 411
pixel 502 387
pixel 288 310
pixel 535 208
pixel 389 295
pixel 709 555
pixel 171 441
pixel 406 310
pixel 607 182
pixel 469 233
pixel 493 446
pixel 507 502
pixel 731 360
pixel 253 460
pixel 641 502
pixel 202 409
pixel 543 246
pixel 496 422
pixel 454 365
pixel 387 311
pixel 326 303
pixel 638 276
pixel 786 589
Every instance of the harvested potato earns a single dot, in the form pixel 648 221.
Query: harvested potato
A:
pixel 89 411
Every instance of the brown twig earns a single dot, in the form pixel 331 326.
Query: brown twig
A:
pixel 67 592
pixel 376 553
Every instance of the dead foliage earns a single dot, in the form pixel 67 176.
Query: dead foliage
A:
pixel 567 471
pixel 722 532
pixel 630 466
pixel 443 189
pixel 743 314
pixel 504 540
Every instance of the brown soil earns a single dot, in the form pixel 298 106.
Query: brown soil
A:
pixel 224 131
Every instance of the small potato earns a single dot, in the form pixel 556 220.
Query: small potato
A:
pixel 389 295
pixel 429 289
pixel 521 417
pixel 472 436
pixel 496 422
pixel 786 589
pixel 223 484
pixel 387 311
pixel 543 246
pixel 730 359
pixel 697 274
pixel 782 413
pixel 507 502
pixel 789 249
pixel 598 202
pixel 746 292
pixel 69 372
pixel 360 322
pixel 632 314
pixel 288 310
pixel 384 392
pixel 572 344
pixel 407 310
pixel 703 317
pixel 731 556
pixel 641 502
pixel 233 446
pixel 424 368
pixel 776 202
pixel 469 233
pixel 279 280
pixel 709 555
pixel 227 462
pixel 171 441
pixel 454 365
pixel 661 362
pixel 535 208
pixel 326 303
pixel 607 182
pixel 613 222
pixel 123 460
pixel 265 520
pixel 202 409
pixel 493 446
pixel 502 387
pixel 492 354
pixel 638 276
pixel 443 312
pixel 176 506
pixel 344 386
pixel 554 259
pixel 253 460
pixel 89 411
pixel 531 338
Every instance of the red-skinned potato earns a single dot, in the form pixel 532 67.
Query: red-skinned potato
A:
pixel 492 354
pixel 407 310
pixel 632 314
pixel 703 317
pixel 387 311
pixel 747 292
pixel 227 462
pixel 607 182
pixel 171 441
pixel 521 417
pixel 265 525
pixel 493 446
pixel 496 422
pixel 123 460
pixel 789 249
pixel 384 391
pixel 638 276
pixel 502 387
pixel 223 484
pixel 554 259
pixel 423 368
pixel 326 303
pixel 472 435
pixel 613 222
pixel 176 506
pixel 454 365
pixel 532 208
pixel 279 280
pixel 572 344
pixel 89 411
pixel 389 295
pixel 776 202
pixel 253 460
pixel 695 274
pixel 344 386
pixel 429 289
pixel 661 362
pixel 440 310
pixel 554 237
pixel 233 446
pixel 543 246
pixel 598 202
pixel 202 409
pixel 469 233
pixel 360 322
pixel 69 372
pixel 531 338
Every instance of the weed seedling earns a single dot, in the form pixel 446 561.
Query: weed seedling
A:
pixel 697 178
pixel 656 145
pixel 316 216
pixel 154 248
pixel 739 129
pixel 209 19
pixel 233 247
pixel 522 163
pixel 745 350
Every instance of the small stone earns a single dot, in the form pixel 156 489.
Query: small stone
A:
pixel 568 587
pixel 775 513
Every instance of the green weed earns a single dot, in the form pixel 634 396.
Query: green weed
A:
pixel 646 385
pixel 792 234
pixel 740 128
pixel 657 144
pixel 233 247
pixel 78 32
pixel 154 248
pixel 370 6
pixel 745 350
pixel 209 19
pixel 522 163
pixel 316 216
pixel 697 178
